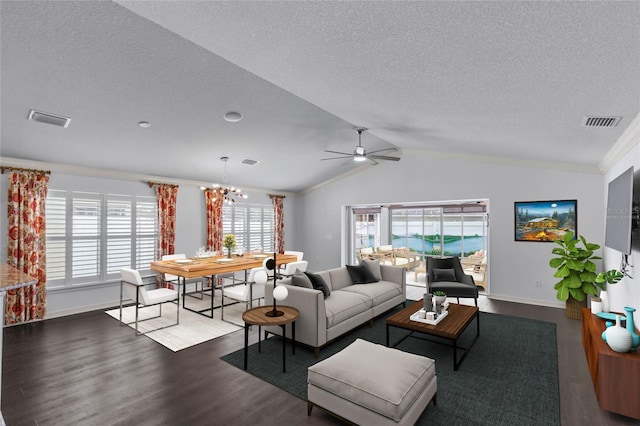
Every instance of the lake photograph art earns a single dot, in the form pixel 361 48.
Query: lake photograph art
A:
pixel 545 221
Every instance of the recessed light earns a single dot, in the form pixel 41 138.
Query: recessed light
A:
pixel 233 117
pixel 144 124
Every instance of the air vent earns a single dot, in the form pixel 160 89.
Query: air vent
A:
pixel 46 118
pixel 249 161
pixel 590 121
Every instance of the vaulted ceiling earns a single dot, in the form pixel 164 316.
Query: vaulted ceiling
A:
pixel 512 80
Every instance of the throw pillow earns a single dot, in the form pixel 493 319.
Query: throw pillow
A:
pixel 299 279
pixel 319 284
pixel 374 267
pixel 444 274
pixel 360 274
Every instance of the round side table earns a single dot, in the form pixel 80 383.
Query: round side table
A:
pixel 258 316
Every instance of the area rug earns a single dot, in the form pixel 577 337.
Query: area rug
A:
pixel 193 328
pixel 510 376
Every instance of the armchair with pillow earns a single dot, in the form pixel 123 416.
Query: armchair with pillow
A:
pixel 446 274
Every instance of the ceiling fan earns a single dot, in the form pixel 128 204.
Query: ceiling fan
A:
pixel 360 154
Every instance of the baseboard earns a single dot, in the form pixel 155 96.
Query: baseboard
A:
pixel 82 309
pixel 535 302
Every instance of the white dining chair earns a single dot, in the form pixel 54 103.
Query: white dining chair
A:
pixel 290 269
pixel 135 288
pixel 247 292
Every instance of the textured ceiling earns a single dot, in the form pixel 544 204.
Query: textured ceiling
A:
pixel 501 79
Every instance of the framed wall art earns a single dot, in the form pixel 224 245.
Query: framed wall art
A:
pixel 544 221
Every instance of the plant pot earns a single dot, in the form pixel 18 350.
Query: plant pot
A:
pixel 604 297
pixel 574 308
pixel 596 305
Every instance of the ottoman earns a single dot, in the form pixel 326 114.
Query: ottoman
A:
pixel 372 384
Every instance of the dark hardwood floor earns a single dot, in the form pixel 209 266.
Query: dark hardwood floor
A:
pixel 87 370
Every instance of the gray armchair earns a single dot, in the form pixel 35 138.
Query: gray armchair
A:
pixel 446 274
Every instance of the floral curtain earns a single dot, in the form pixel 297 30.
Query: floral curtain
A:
pixel 278 220
pixel 214 219
pixel 166 196
pixel 26 249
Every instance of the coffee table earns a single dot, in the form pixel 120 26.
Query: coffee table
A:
pixel 450 328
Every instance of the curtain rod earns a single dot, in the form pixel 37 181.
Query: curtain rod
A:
pixel 151 184
pixel 276 196
pixel 20 169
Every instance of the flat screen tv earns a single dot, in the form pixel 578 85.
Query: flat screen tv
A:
pixel 620 213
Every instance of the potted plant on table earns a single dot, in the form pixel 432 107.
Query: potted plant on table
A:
pixel 577 272
pixel 611 276
pixel 229 242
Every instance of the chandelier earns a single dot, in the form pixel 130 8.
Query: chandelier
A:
pixel 228 194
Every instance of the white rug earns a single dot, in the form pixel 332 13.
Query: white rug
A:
pixel 193 328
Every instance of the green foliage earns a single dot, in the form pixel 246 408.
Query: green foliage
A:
pixel 439 293
pixel 229 241
pixel 611 276
pixel 574 267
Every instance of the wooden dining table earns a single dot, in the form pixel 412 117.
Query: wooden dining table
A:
pixel 212 267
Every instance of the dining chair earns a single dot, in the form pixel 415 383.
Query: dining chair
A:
pixel 290 269
pixel 247 292
pixel 137 292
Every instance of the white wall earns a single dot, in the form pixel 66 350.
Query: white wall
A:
pixel 514 266
pixel 627 291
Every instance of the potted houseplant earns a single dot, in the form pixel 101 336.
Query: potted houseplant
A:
pixel 577 273
pixel 229 242
pixel 611 276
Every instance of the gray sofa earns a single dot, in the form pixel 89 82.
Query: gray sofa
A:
pixel 348 306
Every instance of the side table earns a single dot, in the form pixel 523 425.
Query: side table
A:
pixel 257 316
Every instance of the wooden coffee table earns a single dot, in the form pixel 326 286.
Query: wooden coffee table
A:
pixel 450 328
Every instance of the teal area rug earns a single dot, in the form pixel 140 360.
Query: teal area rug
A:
pixel 510 376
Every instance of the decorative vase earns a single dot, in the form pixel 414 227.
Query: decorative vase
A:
pixel 427 302
pixel 228 252
pixel 596 305
pixel 617 337
pixel 635 339
pixel 604 298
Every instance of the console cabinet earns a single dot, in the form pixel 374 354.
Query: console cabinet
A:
pixel 615 376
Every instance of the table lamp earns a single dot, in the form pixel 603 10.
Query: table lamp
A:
pixel 279 293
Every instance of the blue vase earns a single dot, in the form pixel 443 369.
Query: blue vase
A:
pixel 635 339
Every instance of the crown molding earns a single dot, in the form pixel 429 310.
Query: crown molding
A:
pixel 629 138
pixel 113 174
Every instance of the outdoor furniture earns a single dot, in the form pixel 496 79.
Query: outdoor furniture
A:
pixel 352 385
pixel 446 274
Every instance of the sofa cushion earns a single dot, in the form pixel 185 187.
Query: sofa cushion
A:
pixel 355 374
pixel 342 305
pixel 374 267
pixel 444 274
pixel 318 283
pixel 377 292
pixel 300 279
pixel 360 274
pixel 340 278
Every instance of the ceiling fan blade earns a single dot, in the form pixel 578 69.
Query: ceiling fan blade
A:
pixel 371 158
pixel 382 150
pixel 338 152
pixel 337 158
pixel 384 157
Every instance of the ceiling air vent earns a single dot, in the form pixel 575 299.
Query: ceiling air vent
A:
pixel 591 121
pixel 249 161
pixel 46 118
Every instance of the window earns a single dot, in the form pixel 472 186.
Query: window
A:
pixel 252 224
pixel 83 226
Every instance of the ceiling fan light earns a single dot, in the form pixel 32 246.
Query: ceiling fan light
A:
pixel 359 158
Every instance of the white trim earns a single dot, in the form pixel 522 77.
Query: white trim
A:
pixel 629 138
pixel 535 302
pixel 82 309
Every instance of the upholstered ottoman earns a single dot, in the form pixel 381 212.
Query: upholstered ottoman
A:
pixel 371 384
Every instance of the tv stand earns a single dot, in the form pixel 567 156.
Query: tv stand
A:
pixel 614 374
